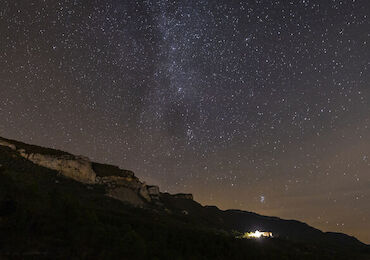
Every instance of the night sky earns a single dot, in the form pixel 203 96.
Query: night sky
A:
pixel 258 105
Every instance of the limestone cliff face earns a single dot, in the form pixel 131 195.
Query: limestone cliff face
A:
pixel 119 184
pixel 121 188
pixel 187 196
pixel 153 192
pixel 11 146
pixel 127 195
pixel 75 167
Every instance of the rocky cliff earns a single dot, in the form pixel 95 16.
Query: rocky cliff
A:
pixel 30 169
pixel 119 184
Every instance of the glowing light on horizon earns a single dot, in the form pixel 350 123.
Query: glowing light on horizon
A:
pixel 257 234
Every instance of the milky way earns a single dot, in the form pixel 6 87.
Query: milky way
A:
pixel 257 105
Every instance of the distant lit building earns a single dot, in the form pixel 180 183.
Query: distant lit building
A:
pixel 257 234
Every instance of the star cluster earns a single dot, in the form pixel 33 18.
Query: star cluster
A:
pixel 258 105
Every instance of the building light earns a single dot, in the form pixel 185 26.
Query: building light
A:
pixel 257 234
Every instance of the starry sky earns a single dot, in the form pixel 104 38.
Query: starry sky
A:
pixel 259 105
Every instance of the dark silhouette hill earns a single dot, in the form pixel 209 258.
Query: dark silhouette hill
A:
pixel 57 205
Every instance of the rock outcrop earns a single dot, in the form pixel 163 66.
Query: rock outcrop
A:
pixel 187 196
pixel 6 144
pixel 117 187
pixel 153 192
pixel 119 184
pixel 75 167
pixel 126 195
pixel 113 182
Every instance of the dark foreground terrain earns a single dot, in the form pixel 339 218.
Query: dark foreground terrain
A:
pixel 44 215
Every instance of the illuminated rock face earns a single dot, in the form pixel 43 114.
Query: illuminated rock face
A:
pixel 4 143
pixel 75 167
pixel 126 188
pixel 119 184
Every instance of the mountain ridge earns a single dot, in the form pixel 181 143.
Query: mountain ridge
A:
pixel 124 186
pixel 82 169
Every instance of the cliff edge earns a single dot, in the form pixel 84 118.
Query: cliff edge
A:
pixel 119 183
